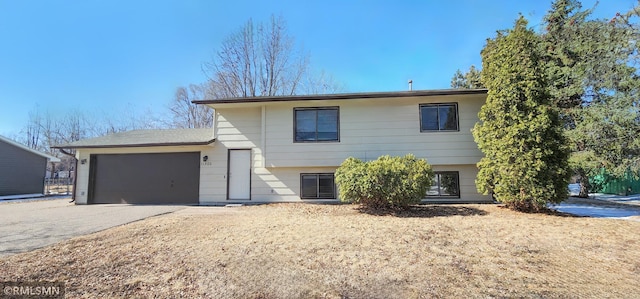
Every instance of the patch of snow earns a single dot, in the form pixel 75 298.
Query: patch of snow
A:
pixel 589 210
pixel 617 198
pixel 574 189
pixel 597 211
pixel 35 198
pixel 21 196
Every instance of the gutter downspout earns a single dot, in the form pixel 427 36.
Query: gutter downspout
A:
pixel 75 173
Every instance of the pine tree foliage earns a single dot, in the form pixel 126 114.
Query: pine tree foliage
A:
pixel 468 80
pixel 593 80
pixel 520 133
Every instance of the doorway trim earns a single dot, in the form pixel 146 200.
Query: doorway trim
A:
pixel 229 165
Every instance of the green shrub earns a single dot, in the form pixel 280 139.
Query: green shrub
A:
pixel 388 182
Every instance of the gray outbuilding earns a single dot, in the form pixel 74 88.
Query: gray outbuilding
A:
pixel 22 170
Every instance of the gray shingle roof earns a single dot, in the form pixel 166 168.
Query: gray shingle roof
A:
pixel 141 138
pixel 25 148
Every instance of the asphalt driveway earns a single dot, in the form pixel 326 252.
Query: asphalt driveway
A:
pixel 29 225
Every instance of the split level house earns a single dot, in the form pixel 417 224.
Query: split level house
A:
pixel 285 149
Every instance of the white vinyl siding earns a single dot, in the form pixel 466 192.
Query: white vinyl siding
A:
pixel 241 128
pixel 281 184
pixel 371 128
pixel 235 129
pixel 368 128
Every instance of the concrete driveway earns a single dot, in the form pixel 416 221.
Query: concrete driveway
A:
pixel 29 225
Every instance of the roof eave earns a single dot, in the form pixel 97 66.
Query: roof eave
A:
pixel 70 146
pixel 23 147
pixel 344 96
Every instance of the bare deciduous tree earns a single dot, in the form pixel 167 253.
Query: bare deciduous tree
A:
pixel 263 60
pixel 31 131
pixel 321 83
pixel 186 114
pixel 128 118
pixel 46 129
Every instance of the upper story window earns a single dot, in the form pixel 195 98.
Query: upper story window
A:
pixel 316 124
pixel 439 117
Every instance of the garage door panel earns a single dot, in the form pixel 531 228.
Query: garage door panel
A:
pixel 165 178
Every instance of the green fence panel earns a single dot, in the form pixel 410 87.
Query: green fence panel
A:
pixel 608 184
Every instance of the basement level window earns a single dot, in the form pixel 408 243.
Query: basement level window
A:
pixel 446 184
pixel 439 117
pixel 319 124
pixel 317 186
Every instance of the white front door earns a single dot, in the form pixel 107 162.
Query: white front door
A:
pixel 239 175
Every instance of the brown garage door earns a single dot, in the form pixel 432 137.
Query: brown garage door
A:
pixel 166 178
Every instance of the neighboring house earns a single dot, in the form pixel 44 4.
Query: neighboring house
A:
pixel 22 170
pixel 286 148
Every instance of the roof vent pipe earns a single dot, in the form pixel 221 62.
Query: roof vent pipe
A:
pixel 410 85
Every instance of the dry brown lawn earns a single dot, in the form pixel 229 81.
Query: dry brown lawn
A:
pixel 336 251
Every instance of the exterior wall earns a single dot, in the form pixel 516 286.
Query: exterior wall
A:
pixel 280 184
pixel 21 172
pixel 369 128
pixel 468 191
pixel 242 128
pixel 82 178
pixel 239 128
pixel 283 184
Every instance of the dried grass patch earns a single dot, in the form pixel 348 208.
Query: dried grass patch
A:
pixel 338 251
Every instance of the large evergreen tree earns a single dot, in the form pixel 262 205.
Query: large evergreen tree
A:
pixel 592 79
pixel 520 133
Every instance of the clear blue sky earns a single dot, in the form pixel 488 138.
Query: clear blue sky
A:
pixel 103 56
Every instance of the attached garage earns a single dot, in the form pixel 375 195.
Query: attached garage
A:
pixel 158 178
pixel 142 166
